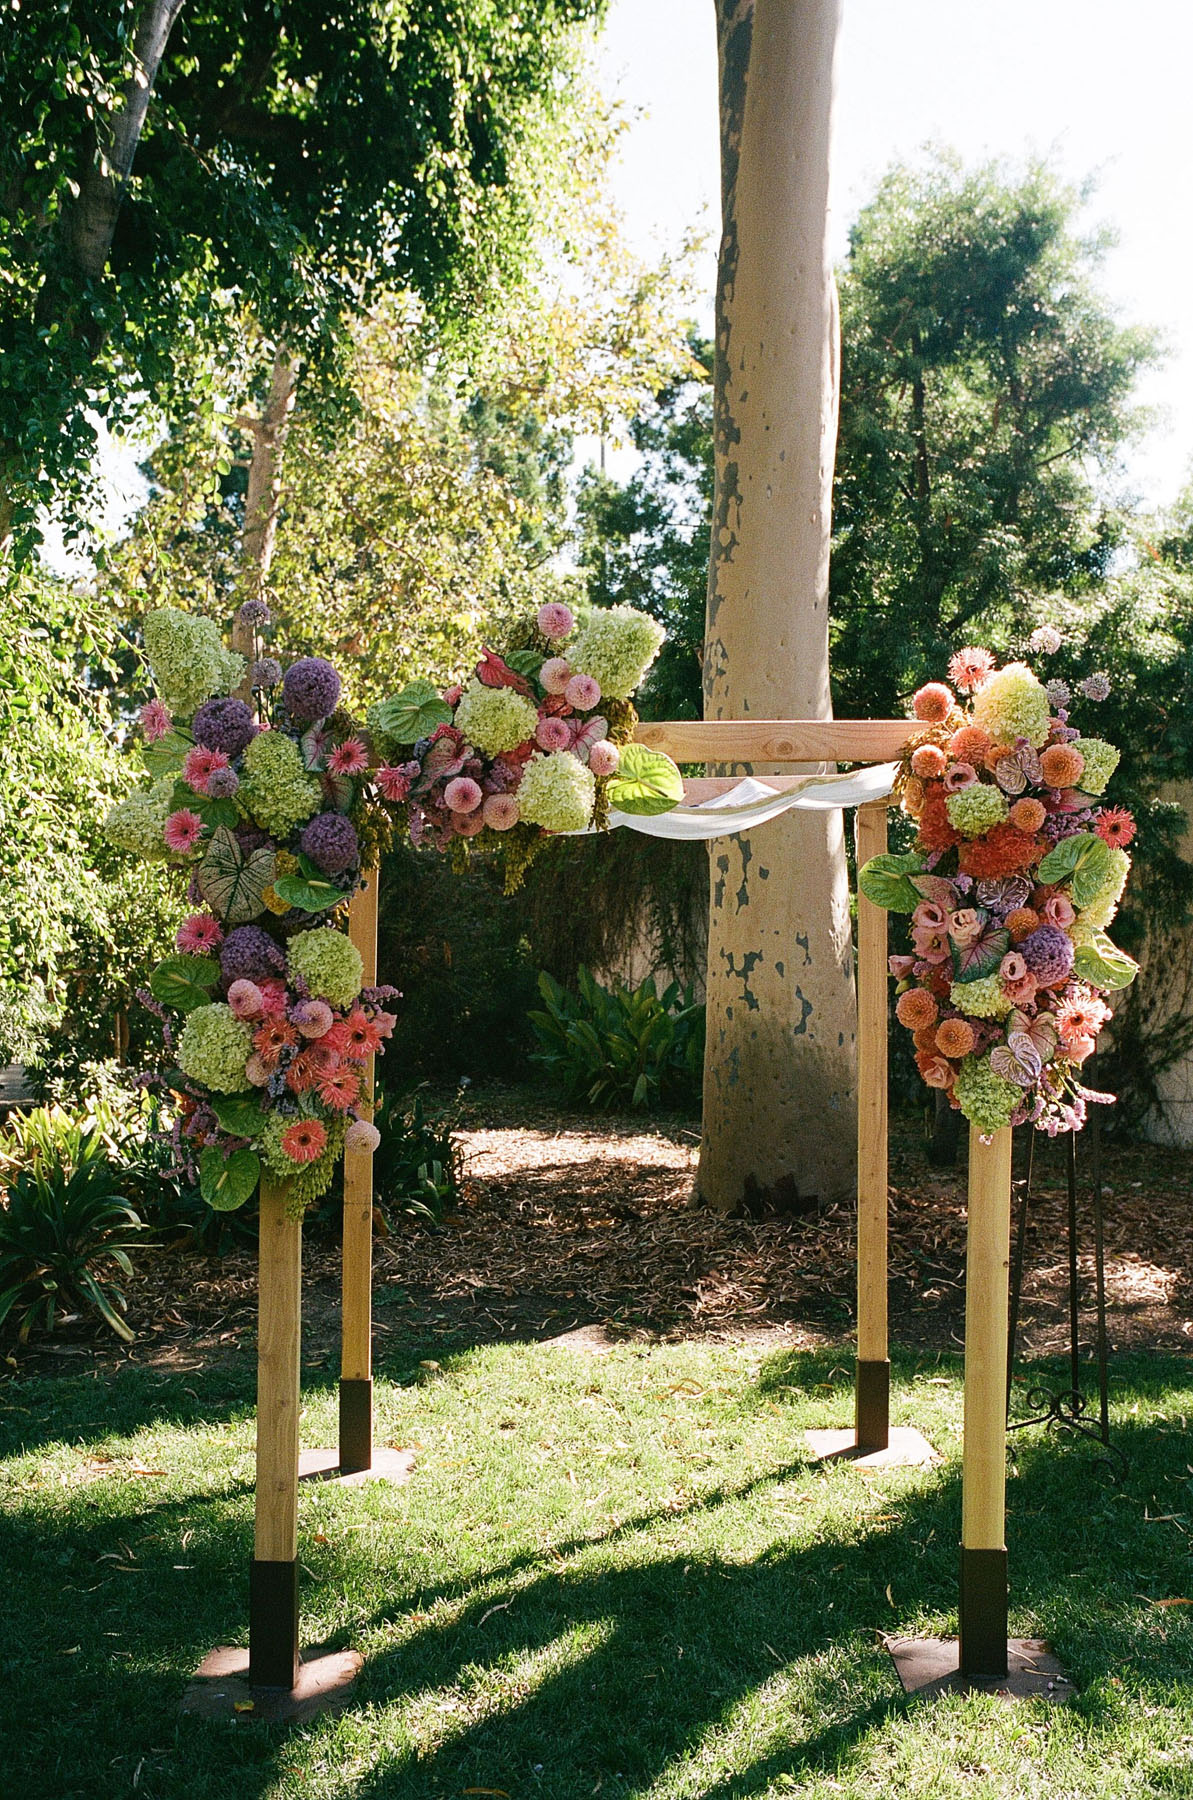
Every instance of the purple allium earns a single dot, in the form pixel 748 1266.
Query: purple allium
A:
pixel 253 613
pixel 225 725
pixel 249 954
pixel 311 689
pixel 222 784
pixel 330 842
pixel 1058 693
pixel 1048 953
pixel 1096 686
pixel 265 672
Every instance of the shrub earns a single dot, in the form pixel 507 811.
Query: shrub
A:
pixel 416 1166
pixel 632 1048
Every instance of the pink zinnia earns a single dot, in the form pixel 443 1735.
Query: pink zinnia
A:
pixel 555 674
pixel 305 1141
pixel 604 757
pixel 500 811
pixel 155 720
pixel 552 734
pixel 244 997
pixel 312 1017
pixel 968 669
pixel 555 620
pixel 394 783
pixel 200 764
pixel 463 795
pixel 182 831
pixel 582 692
pixel 349 758
pixel 198 935
pixel 361 1135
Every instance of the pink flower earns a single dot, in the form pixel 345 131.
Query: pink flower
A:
pixel 273 997
pixel 555 619
pixel 1012 968
pixel 198 935
pixel 931 945
pixel 182 831
pixel 312 1017
pixel 582 692
pixel 1058 910
pixel 384 1022
pixel 257 1069
pixel 339 1090
pixel 1078 1048
pixel 305 1141
pixel 901 966
pixel 964 926
pixel 468 824
pixel 452 695
pixel 394 783
pixel 155 721
pixel 200 764
pixel 959 775
pixel 929 914
pixel 553 734
pixel 1080 1017
pixel 1022 992
pixel 463 795
pixel 555 674
pixel 361 1136
pixel 604 757
pixel 500 811
pixel 937 1072
pixel 244 997
pixel 349 758
pixel 968 669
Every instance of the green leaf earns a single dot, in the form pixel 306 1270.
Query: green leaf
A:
pixel 646 782
pixel 887 881
pixel 526 662
pixel 1104 965
pixel 212 812
pixel 308 895
pixel 226 1182
pixel 184 982
pixel 232 883
pixel 414 713
pixel 239 1115
pixel 168 753
pixel 1082 860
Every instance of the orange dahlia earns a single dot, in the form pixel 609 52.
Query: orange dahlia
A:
pixel 936 830
pixel 1061 765
pixel 932 703
pixel 1028 815
pixel 970 744
pixel 1021 923
pixel 916 1009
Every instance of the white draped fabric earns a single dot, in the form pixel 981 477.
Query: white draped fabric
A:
pixel 752 803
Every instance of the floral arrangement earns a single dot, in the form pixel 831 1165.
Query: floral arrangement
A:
pixel 537 741
pixel 1017 870
pixel 260 792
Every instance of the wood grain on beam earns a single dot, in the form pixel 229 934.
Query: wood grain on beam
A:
pixel 779 740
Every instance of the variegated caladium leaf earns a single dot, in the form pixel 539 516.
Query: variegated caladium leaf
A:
pixel 936 888
pixel 232 883
pixel 590 733
pixel 982 957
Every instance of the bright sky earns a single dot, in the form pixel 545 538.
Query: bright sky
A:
pixel 1100 85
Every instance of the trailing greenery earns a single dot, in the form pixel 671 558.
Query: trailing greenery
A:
pixel 620 1047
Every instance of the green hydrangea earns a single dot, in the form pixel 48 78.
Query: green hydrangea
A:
pixel 981 999
pixel 304 1181
pixel 977 808
pixel 275 789
pixel 188 659
pixel 557 792
pixel 1102 908
pixel 136 823
pixel 616 646
pixel 1101 760
pixel 1012 704
pixel 329 962
pixel 495 719
pixel 987 1100
pixel 214 1047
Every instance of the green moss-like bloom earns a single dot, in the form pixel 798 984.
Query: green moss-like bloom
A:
pixel 987 1100
pixel 495 719
pixel 1104 904
pixel 557 792
pixel 329 962
pixel 981 999
pixel 136 823
pixel 616 646
pixel 304 1181
pixel 977 808
pixel 274 787
pixel 1101 760
pixel 214 1047
pixel 188 658
pixel 1013 704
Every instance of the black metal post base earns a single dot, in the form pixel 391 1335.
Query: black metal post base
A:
pixel 872 1406
pixel 982 1613
pixel 273 1624
pixel 356 1426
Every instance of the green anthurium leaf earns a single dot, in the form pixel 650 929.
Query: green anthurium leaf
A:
pixel 308 895
pixel 527 662
pixel 1104 965
pixel 1082 860
pixel 887 881
pixel 226 1182
pixel 239 1114
pixel 232 883
pixel 184 982
pixel 212 812
pixel 168 753
pixel 414 713
pixel 646 782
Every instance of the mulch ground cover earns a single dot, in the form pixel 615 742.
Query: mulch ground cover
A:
pixel 569 1224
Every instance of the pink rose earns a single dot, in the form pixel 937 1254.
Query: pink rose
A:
pixel 1012 968
pixel 964 926
pixel 937 1072
pixel 1023 991
pixel 901 966
pixel 929 914
pixel 932 946
pixel 1058 910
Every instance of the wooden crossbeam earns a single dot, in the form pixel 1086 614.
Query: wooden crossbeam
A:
pixel 779 740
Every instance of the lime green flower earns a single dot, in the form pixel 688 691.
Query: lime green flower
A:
pixel 214 1047
pixel 987 1100
pixel 328 962
pixel 136 823
pixel 275 789
pixel 495 719
pixel 1101 760
pixel 616 646
pixel 981 999
pixel 188 658
pixel 976 808
pixel 557 792
pixel 1013 704
pixel 1102 908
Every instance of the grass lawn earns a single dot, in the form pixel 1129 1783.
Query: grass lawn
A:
pixel 611 1575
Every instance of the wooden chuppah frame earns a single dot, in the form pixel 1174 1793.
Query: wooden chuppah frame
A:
pixel 273 1679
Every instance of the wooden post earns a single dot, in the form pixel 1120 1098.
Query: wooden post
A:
pixel 356 1317
pixel 273 1589
pixel 983 1602
pixel 872 1397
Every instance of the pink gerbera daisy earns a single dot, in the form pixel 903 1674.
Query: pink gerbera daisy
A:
pixel 198 935
pixel 340 1089
pixel 182 831
pixel 361 1038
pixel 200 764
pixel 968 669
pixel 155 721
pixel 304 1141
pixel 393 783
pixel 1080 1016
pixel 349 758
pixel 1115 825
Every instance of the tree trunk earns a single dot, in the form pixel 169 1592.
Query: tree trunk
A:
pixel 779 1100
pixel 263 499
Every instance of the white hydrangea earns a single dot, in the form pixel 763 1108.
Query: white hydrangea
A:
pixel 187 656
pixel 616 646
pixel 558 792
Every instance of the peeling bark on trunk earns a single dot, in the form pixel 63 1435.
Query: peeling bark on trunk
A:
pixel 263 498
pixel 779 1100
